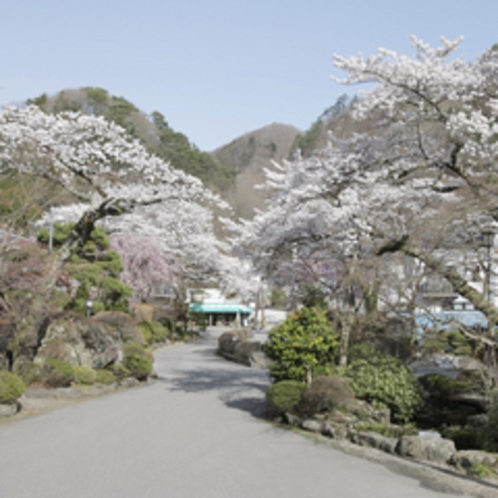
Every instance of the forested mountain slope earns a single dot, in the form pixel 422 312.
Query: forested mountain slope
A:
pixel 153 131
pixel 247 156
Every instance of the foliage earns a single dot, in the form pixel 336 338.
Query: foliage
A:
pixel 154 332
pixel 465 438
pixel 11 387
pixel 134 348
pixel 278 299
pixel 385 381
pixel 57 373
pixel 154 132
pixel 96 269
pixel 448 341
pixel 139 366
pixel 327 393
pixel 104 376
pixel 137 360
pixel 488 435
pixel 118 371
pixel 304 343
pixel 284 396
pixel 84 375
pixel 27 370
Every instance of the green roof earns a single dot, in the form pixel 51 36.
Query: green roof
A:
pixel 219 308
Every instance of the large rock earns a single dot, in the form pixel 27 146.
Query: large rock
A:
pixel 8 410
pixel 470 458
pixel 123 324
pixel 427 448
pixel 375 440
pixel 80 341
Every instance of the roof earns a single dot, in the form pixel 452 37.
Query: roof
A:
pixel 219 308
pixel 444 319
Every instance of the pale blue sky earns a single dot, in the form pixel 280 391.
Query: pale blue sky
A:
pixel 217 69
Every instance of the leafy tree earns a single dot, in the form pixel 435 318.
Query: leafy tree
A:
pixel 305 345
pixel 95 268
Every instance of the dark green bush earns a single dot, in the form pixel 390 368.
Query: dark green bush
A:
pixel 57 373
pixel 384 381
pixel 84 375
pixel 105 377
pixel 119 371
pixel 305 342
pixel 11 387
pixel 139 366
pixel 284 396
pixel 488 435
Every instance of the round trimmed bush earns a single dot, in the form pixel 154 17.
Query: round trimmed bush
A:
pixel 84 375
pixel 139 366
pixel 11 387
pixel 57 373
pixel 284 396
pixel 326 394
pixel 105 377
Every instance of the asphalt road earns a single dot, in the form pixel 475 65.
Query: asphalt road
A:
pixel 195 432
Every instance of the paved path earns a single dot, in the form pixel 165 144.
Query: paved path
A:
pixel 194 433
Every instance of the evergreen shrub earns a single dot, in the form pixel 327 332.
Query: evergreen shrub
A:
pixel 104 376
pixel 383 381
pixel 11 387
pixel 84 375
pixel 304 343
pixel 284 396
pixel 57 373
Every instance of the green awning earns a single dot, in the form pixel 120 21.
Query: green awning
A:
pixel 219 308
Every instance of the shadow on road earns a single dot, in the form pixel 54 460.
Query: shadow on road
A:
pixel 237 386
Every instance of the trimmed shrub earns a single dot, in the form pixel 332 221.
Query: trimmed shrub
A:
pixel 133 348
pixel 385 382
pixel 57 373
pixel 326 394
pixel 84 375
pixel 154 332
pixel 105 377
pixel 284 396
pixel 305 342
pixel 11 387
pixel 139 366
pixel 119 371
pixel 27 370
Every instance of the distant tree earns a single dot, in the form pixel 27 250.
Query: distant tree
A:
pixel 146 265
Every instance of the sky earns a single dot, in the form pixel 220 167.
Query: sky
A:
pixel 217 69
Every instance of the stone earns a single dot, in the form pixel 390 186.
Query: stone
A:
pixel 375 440
pixel 312 425
pixel 80 341
pixel 467 459
pixel 244 350
pixel 123 324
pixel 8 410
pixel 432 449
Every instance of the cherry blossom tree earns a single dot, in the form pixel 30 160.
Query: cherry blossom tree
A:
pixel 113 181
pixel 420 180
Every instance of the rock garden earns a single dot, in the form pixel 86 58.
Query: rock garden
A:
pixel 376 400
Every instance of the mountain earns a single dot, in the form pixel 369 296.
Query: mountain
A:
pixel 152 130
pixel 247 156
